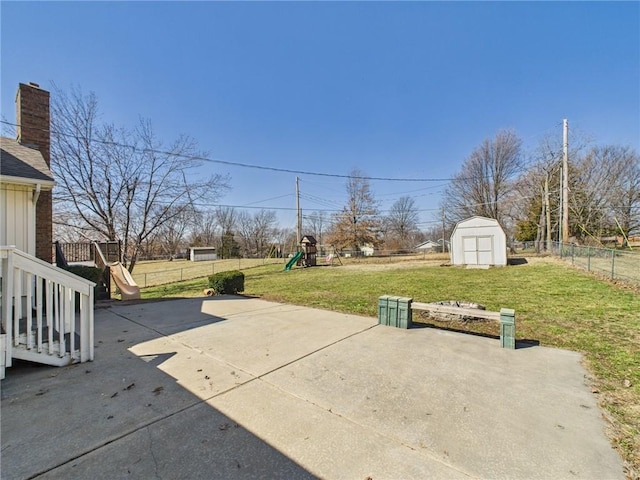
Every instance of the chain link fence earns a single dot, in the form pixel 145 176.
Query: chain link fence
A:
pixel 156 273
pixel 622 265
pixel 195 270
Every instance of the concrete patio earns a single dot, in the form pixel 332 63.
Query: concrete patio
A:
pixel 231 387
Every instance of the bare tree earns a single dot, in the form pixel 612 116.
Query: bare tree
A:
pixel 264 231
pixel 624 197
pixel 402 222
pixel 67 228
pixel 7 128
pixel 257 231
pixel 539 188
pixel 357 224
pixel 171 234
pixel 486 177
pixel 226 218
pixel 589 180
pixel 605 192
pixel 245 232
pixel 204 231
pixel 315 224
pixel 286 241
pixel 123 184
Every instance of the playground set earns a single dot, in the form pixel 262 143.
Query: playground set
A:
pixel 307 255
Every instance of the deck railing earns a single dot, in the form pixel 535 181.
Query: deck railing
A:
pixel 89 251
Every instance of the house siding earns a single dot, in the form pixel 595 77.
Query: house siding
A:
pixel 17 218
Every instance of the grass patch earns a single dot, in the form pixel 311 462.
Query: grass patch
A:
pixel 186 289
pixel 555 304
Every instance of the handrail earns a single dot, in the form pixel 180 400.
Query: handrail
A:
pixel 40 309
pixel 40 267
pixel 99 255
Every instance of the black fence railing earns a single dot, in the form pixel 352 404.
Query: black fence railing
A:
pixel 81 252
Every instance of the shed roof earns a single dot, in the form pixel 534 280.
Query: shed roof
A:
pixel 22 162
pixel 478 221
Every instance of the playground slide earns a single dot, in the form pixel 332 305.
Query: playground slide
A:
pixel 128 287
pixel 293 261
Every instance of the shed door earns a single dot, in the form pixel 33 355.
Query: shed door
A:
pixel 478 250
pixel 470 252
pixel 485 250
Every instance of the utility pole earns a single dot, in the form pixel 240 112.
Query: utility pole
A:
pixel 443 243
pixel 540 232
pixel 560 206
pixel 565 181
pixel 547 211
pixel 299 212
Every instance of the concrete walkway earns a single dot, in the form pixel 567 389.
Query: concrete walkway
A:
pixel 242 388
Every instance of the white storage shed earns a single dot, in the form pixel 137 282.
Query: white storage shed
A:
pixel 478 241
pixel 202 254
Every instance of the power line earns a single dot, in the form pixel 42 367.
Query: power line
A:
pixel 524 167
pixel 269 199
pixel 410 191
pixel 321 201
pixel 241 164
pixel 253 166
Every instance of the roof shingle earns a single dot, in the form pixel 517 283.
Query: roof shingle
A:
pixel 17 160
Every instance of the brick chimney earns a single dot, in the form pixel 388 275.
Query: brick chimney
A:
pixel 33 119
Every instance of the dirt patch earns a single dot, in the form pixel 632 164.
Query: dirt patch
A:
pixel 376 267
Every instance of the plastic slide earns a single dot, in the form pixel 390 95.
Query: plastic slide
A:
pixel 292 262
pixel 129 289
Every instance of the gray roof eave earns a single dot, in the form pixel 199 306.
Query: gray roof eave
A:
pixel 46 184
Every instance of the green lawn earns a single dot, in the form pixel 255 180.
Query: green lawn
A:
pixel 555 305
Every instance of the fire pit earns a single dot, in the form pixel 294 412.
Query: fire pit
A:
pixel 464 316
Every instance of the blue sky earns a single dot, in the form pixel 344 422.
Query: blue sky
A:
pixel 401 90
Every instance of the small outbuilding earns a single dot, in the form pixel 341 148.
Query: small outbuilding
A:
pixel 478 241
pixel 428 246
pixel 202 254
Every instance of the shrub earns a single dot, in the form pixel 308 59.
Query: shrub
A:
pixel 93 274
pixel 227 282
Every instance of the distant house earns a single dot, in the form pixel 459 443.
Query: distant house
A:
pixel 478 241
pixel 428 246
pixel 367 250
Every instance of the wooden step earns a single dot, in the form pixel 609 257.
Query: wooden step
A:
pixel 22 341
pixel 45 333
pixel 22 353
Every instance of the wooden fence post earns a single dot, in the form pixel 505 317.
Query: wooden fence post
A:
pixel 613 264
